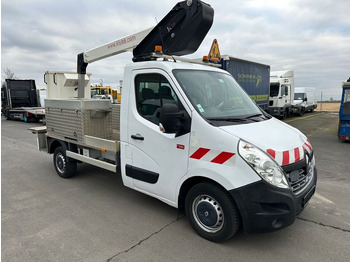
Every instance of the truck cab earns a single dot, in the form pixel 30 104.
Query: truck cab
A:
pixel 281 93
pixel 344 113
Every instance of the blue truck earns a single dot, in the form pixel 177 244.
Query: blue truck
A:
pixel 253 77
pixel 344 112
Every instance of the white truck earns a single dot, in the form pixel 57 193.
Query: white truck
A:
pixel 304 100
pixel 281 93
pixel 188 135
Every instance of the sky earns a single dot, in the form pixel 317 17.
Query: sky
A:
pixel 311 37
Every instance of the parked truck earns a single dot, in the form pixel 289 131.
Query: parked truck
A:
pixel 304 100
pixel 253 77
pixel 186 134
pixel 20 100
pixel 281 93
pixel 344 112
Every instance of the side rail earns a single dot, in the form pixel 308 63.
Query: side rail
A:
pixel 97 152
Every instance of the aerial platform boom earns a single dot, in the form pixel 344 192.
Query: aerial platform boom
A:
pixel 180 32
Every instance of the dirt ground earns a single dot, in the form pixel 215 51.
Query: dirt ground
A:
pixel 329 107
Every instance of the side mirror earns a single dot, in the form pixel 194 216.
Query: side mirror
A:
pixel 305 99
pixel 170 118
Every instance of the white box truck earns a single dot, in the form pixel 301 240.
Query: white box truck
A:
pixel 304 100
pixel 281 93
pixel 186 134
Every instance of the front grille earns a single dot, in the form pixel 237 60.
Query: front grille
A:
pixel 299 179
pixel 300 174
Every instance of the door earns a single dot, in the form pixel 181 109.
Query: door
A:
pixel 158 160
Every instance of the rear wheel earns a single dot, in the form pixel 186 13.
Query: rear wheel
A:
pixel 64 167
pixel 212 212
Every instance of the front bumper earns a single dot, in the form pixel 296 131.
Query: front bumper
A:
pixel 265 208
pixel 276 111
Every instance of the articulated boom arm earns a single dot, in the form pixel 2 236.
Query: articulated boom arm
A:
pixel 121 45
pixel 180 32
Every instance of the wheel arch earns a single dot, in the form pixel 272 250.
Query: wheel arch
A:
pixel 54 143
pixel 188 184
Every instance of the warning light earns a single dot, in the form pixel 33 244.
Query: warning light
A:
pixel 205 58
pixel 158 49
pixel 103 150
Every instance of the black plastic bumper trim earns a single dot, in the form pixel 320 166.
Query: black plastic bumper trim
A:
pixel 265 208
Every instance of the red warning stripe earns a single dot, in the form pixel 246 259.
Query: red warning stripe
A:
pixel 290 156
pixel 271 152
pixel 296 154
pixel 285 160
pixel 200 153
pixel 221 158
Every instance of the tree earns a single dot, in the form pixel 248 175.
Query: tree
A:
pixel 9 74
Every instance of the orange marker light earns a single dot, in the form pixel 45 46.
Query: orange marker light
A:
pixel 158 49
pixel 103 150
pixel 205 58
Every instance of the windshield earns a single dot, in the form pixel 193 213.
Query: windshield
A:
pixel 298 96
pixel 216 95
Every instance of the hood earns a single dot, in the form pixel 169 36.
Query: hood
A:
pixel 284 143
pixel 297 102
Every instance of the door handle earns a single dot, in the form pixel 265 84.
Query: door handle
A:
pixel 137 137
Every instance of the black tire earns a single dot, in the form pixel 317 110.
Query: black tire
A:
pixel 212 212
pixel 65 167
pixel 302 111
pixel 284 115
pixel 7 115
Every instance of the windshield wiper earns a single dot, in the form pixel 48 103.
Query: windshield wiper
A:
pixel 229 119
pixel 256 115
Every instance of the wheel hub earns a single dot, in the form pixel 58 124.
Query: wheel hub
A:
pixel 208 213
pixel 60 163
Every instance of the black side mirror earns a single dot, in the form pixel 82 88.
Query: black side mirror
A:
pixel 172 120
pixel 305 99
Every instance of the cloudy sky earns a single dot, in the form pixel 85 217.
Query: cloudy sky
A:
pixel 312 37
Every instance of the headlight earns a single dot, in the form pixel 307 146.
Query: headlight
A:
pixel 263 164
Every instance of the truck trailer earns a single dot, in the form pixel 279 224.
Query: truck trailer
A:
pixel 253 77
pixel 21 100
pixel 186 134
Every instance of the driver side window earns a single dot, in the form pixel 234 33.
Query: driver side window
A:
pixel 152 92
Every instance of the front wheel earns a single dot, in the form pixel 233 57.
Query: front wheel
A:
pixel 63 166
pixel 212 212
pixel 302 111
